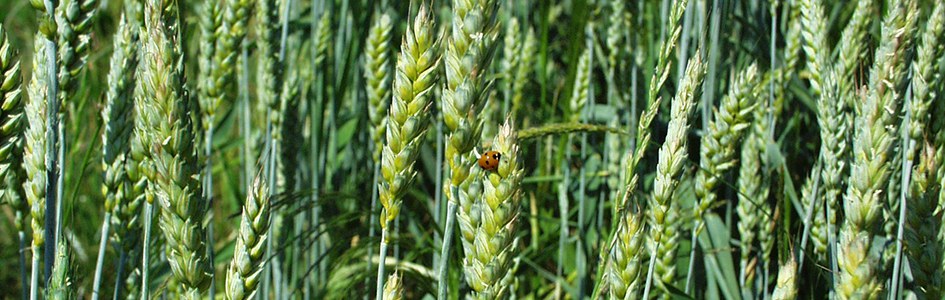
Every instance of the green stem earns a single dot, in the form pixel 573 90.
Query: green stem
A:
pixel 442 290
pixel 34 276
pixel 103 242
pixel 52 151
pixel 119 283
pixel 382 257
pixel 563 211
pixel 373 219
pixel 808 220
pixel 146 258
pixel 908 149
pixel 24 292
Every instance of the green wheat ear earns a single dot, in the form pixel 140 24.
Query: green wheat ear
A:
pixel 11 131
pixel 377 74
pixel 663 213
pixel 243 274
pixel 118 116
pixel 394 288
pixel 407 121
pixel 490 244
pixel 164 123
pixel 75 19
pixel 872 164
pixel 61 285
pixel 34 152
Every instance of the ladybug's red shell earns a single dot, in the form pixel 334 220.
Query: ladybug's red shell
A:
pixel 489 161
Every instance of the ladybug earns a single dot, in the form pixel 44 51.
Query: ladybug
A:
pixel 490 160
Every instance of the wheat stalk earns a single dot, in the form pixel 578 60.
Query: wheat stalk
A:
pixel 165 125
pixel 408 118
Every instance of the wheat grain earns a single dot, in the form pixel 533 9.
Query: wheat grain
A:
pixel 752 204
pixel 627 259
pixel 467 57
pixel 642 140
pixel 830 118
pixel 118 123
pixel 524 69
pixel 582 82
pixel 119 126
pixel 511 57
pixel 61 286
pixel 290 135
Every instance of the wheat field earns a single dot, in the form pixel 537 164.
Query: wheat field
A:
pixel 472 149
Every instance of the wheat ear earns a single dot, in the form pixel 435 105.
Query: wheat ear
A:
pixel 119 125
pixel 377 74
pixel 490 249
pixel 663 214
pixel 408 119
pixel 467 57
pixel 34 164
pixel 394 289
pixel 245 268
pixel 923 248
pixel 165 125
pixel 872 148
